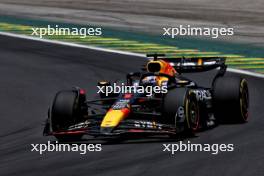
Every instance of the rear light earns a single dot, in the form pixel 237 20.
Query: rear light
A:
pixel 82 91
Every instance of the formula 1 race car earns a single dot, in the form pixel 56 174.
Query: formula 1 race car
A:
pixel 181 106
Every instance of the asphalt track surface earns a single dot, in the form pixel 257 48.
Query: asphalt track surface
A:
pixel 32 72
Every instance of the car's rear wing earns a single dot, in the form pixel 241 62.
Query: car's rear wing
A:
pixel 199 64
pixel 192 64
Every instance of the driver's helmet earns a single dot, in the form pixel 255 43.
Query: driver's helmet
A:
pixel 149 81
pixel 155 81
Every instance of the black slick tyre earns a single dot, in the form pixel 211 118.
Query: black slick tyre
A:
pixel 65 111
pixel 231 100
pixel 181 106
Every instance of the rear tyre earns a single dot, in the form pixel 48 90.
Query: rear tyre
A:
pixel 181 106
pixel 66 110
pixel 231 100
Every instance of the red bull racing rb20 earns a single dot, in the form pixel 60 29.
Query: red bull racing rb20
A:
pixel 184 107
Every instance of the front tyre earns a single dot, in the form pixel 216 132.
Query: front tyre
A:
pixel 67 109
pixel 180 107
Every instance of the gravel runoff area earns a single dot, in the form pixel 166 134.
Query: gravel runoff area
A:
pixel 246 16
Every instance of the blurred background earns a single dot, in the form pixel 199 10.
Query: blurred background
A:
pixel 246 17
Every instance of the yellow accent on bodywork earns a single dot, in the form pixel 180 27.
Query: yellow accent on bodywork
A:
pixel 200 62
pixel 113 118
pixel 161 79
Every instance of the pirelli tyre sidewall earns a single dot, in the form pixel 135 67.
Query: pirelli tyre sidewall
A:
pixel 180 107
pixel 192 112
pixel 231 100
pixel 244 100
pixel 65 110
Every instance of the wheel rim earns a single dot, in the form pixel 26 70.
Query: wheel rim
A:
pixel 194 116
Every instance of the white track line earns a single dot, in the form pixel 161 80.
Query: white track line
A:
pixel 70 44
pixel 244 72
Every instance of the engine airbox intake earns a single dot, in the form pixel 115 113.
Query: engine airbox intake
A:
pixel 154 66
